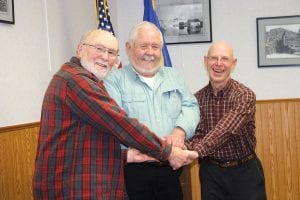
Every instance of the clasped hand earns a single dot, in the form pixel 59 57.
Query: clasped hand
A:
pixel 178 157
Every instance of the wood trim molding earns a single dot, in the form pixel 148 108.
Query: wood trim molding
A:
pixel 19 127
pixel 36 124
pixel 277 100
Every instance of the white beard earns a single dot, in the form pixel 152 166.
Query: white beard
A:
pixel 148 72
pixel 99 71
pixel 144 71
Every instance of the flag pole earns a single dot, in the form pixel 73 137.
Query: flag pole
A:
pixel 96 11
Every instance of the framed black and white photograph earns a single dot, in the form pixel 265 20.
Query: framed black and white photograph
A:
pixel 184 21
pixel 7 14
pixel 278 41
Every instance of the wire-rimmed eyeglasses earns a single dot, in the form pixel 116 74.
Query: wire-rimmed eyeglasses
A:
pixel 102 50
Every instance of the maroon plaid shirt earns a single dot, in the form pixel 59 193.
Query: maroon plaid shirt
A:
pixel 227 122
pixel 79 155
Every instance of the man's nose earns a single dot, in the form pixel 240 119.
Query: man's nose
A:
pixel 104 55
pixel 150 50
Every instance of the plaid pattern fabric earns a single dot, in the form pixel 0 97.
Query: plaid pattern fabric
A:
pixel 79 155
pixel 227 122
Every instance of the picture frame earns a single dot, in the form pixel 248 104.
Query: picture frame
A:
pixel 278 41
pixel 7 14
pixel 185 21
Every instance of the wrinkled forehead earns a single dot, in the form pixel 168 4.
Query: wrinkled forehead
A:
pixel 220 49
pixel 104 38
pixel 148 34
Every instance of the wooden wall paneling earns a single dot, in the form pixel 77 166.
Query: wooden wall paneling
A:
pixel 3 169
pixel 278 147
pixel 277 134
pixel 259 136
pixel 297 149
pixel 185 182
pixel 260 147
pixel 17 150
pixel 265 145
pixel 288 113
pixel 292 168
pixel 195 182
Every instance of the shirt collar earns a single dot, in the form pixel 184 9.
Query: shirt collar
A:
pixel 159 75
pixel 224 91
pixel 76 60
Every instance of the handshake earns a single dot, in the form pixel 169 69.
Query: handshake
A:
pixel 178 157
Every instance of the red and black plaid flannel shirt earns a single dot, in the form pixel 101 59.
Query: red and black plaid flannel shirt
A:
pixel 79 155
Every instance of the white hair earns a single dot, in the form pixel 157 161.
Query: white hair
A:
pixel 133 34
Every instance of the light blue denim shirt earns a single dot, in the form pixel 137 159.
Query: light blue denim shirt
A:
pixel 167 105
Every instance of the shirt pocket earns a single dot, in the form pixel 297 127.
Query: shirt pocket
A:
pixel 134 104
pixel 172 103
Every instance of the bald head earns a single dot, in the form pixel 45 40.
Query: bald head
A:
pixel 100 36
pixel 221 46
pixel 219 63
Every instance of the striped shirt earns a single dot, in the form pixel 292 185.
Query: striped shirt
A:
pixel 79 155
pixel 227 122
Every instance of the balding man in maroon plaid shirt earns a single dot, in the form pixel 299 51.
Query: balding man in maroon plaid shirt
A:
pixel 79 155
pixel 224 138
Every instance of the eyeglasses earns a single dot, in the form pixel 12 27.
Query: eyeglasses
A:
pixel 102 50
pixel 222 59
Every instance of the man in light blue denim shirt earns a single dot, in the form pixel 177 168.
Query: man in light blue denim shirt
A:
pixel 158 97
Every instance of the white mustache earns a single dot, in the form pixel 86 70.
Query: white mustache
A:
pixel 102 63
pixel 148 58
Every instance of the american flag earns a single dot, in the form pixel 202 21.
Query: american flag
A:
pixel 104 20
pixel 104 17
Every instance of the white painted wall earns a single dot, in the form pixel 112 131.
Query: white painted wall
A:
pixel 233 21
pixel 44 36
pixel 46 32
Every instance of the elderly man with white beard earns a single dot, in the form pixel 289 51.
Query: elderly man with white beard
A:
pixel 82 128
pixel 158 97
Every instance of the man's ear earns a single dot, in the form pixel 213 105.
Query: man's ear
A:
pixel 128 47
pixel 205 62
pixel 79 50
pixel 233 65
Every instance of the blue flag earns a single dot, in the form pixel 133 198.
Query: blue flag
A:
pixel 150 16
pixel 104 16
